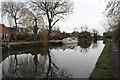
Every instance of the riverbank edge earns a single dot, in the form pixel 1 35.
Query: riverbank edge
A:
pixel 25 45
pixel 102 69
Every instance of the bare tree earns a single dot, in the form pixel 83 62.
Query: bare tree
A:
pixel 53 11
pixel 83 28
pixel 95 33
pixel 33 21
pixel 13 10
pixel 105 24
pixel 113 15
pixel 75 29
pixel 113 10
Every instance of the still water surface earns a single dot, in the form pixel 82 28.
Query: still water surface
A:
pixel 65 61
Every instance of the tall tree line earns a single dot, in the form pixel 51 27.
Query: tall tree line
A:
pixel 37 11
pixel 113 15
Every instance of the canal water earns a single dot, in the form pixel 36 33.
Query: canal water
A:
pixel 63 61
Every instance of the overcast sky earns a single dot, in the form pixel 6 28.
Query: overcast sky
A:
pixel 86 12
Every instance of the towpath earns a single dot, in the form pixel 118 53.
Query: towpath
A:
pixel 115 61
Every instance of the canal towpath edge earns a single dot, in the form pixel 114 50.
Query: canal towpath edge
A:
pixel 114 61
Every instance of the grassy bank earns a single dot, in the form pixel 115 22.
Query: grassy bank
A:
pixel 102 66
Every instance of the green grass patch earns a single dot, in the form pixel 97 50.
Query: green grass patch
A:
pixel 102 66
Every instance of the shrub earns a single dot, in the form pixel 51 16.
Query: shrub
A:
pixel 23 36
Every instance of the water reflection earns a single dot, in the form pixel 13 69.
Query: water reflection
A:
pixel 32 65
pixel 84 47
pixel 95 45
pixel 64 61
pixel 69 46
pixel 55 72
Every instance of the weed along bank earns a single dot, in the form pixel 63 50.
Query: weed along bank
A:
pixel 102 67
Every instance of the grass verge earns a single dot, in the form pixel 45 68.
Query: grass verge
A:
pixel 102 66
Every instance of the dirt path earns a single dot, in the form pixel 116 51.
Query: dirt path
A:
pixel 114 61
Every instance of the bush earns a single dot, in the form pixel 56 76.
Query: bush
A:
pixel 23 36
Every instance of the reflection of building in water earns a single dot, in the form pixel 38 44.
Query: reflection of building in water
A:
pixel 69 46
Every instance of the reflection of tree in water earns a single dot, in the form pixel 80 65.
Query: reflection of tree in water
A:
pixel 85 46
pixel 36 66
pixel 95 45
pixel 13 66
pixel 54 72
pixel 35 61
pixel 16 60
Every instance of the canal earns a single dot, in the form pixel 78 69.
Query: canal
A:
pixel 63 61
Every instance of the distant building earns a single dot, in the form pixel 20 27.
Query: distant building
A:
pixel 4 33
pixel 53 33
pixel 75 34
pixel 107 35
pixel 100 37
pixel 19 30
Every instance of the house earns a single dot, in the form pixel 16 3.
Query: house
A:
pixel 55 33
pixel 17 32
pixel 4 33
pixel 75 34
pixel 107 35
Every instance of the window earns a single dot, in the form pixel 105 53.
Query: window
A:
pixel 0 36
pixel 4 36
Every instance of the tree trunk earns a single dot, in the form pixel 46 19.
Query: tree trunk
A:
pixel 15 34
pixel 49 68
pixel 35 30
pixel 95 38
pixel 35 33
pixel 118 33
pixel 49 31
